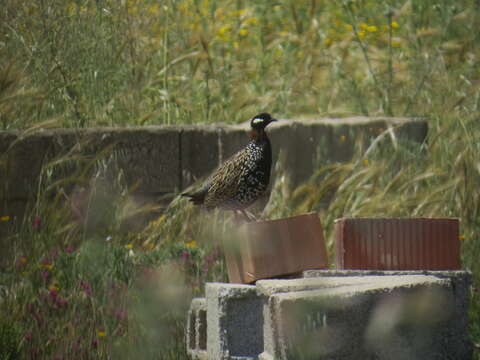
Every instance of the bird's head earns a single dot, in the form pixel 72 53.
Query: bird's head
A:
pixel 260 121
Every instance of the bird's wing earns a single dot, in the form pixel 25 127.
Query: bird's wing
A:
pixel 225 181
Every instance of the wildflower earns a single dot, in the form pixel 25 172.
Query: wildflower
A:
pixel 251 21
pixel 69 250
pixel 348 27
pixel 129 246
pixel 23 260
pixel 37 222
pixel 372 28
pixel 361 35
pixel 363 26
pixel 461 237
pixel 191 244
pixel 365 162
pixel 243 32
pixel 5 218
pixel 47 266
pixel 396 43
pixel 343 138
pixel 236 45
pixel 101 334
pixel 224 30
pixel 53 288
pixel 94 343
pixel 394 25
pixel 185 255
pixel 328 41
pixel 85 287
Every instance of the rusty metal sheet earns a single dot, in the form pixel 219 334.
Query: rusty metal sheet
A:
pixel 397 243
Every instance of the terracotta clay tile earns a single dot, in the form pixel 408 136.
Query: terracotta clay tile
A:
pixel 397 244
pixel 268 249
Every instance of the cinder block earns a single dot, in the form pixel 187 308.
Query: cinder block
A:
pixel 196 331
pixel 199 153
pixel 22 160
pixel 397 244
pixel 273 248
pixel 234 321
pixel 366 317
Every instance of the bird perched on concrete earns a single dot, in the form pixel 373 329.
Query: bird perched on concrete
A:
pixel 244 177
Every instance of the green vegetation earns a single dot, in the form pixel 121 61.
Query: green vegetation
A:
pixel 82 286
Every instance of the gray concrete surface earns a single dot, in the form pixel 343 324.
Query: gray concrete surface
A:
pixel 342 315
pixel 160 161
pixel 196 330
pixel 234 321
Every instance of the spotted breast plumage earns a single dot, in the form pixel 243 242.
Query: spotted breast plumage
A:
pixel 243 178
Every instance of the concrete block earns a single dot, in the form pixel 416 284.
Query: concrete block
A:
pixel 199 153
pixel 196 331
pixel 365 317
pixel 22 161
pixel 234 321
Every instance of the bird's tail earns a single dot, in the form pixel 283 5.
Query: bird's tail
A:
pixel 197 198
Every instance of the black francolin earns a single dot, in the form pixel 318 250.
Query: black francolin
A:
pixel 244 177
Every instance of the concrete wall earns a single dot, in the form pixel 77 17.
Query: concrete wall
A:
pixel 160 160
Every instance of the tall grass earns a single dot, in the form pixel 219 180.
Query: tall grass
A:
pixel 76 283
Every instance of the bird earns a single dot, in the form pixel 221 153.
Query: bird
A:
pixel 243 178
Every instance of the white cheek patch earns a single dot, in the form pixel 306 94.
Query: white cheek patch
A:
pixel 257 121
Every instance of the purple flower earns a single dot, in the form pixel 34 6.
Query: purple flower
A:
pixel 69 250
pixel 85 287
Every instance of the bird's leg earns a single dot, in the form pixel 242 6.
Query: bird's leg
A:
pixel 236 217
pixel 248 215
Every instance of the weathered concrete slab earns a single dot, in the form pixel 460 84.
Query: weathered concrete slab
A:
pixel 196 331
pixel 159 160
pixel 200 149
pixel 400 318
pixel 342 315
pixel 234 321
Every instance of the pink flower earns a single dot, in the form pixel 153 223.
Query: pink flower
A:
pixel 185 255
pixel 69 250
pixel 37 222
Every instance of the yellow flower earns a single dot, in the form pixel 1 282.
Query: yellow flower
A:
pixel 348 27
pixel 102 334
pixel 365 162
pixel 224 30
pixel 5 218
pixel 243 32
pixel 461 237
pixel 191 244
pixel 396 43
pixel 129 246
pixel 53 288
pixel 23 260
pixel 361 35
pixel 394 25
pixel 343 138
pixel 372 28
pixel 236 45
pixel 363 26
pixel 328 41
pixel 47 266
pixel 251 21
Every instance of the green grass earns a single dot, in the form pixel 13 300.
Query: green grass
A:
pixel 67 291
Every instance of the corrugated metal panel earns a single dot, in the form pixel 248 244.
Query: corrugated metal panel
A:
pixel 397 244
